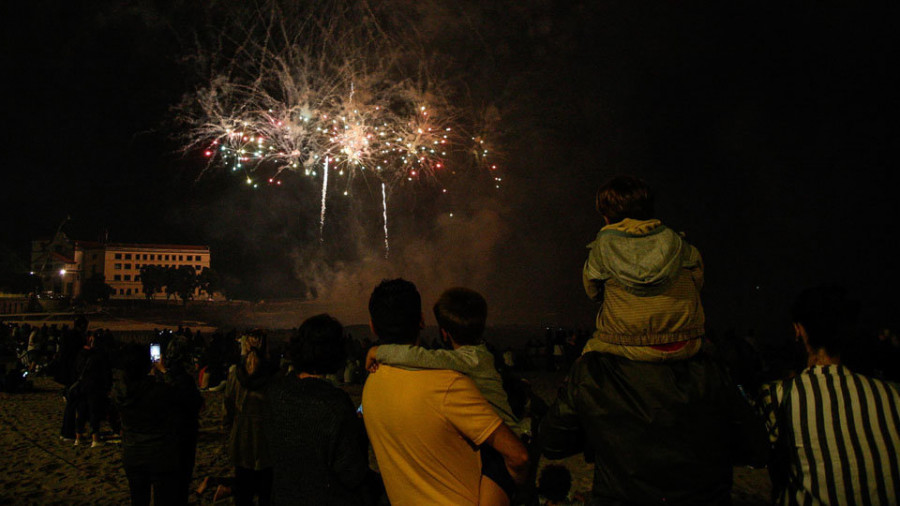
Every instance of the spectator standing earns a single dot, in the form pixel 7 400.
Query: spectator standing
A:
pixel 150 413
pixel 836 433
pixel 70 345
pixel 175 370
pixel 317 443
pixel 91 390
pixel 461 314
pixel 243 422
pixel 659 432
pixel 425 425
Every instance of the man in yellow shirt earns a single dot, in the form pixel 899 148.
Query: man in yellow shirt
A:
pixel 426 425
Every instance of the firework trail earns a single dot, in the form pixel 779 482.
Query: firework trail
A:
pixel 387 245
pixel 324 194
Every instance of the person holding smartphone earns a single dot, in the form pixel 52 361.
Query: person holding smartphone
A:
pixel 155 354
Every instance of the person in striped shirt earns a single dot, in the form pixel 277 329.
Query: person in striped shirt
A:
pixel 835 433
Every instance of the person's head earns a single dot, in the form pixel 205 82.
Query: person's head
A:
pixel 824 317
pixel 395 310
pixel 81 324
pixel 625 197
pixel 177 354
pixel 135 361
pixel 555 482
pixel 461 312
pixel 256 341
pixel 318 346
pixel 255 347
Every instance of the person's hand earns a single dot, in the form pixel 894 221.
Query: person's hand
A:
pixel 160 366
pixel 371 361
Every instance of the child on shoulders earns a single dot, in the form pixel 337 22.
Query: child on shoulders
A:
pixel 645 276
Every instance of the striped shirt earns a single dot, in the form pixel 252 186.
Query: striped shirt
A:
pixel 843 437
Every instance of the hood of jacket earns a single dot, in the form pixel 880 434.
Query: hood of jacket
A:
pixel 642 255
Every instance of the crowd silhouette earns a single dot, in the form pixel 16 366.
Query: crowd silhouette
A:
pixel 663 407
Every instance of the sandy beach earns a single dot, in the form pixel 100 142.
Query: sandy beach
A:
pixel 38 468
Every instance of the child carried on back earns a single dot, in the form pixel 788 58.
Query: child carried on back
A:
pixel 645 276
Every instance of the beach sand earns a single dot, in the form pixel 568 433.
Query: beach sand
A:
pixel 38 468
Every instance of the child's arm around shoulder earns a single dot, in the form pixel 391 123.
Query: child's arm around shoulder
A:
pixel 463 360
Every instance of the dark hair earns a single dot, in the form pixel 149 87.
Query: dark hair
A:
pixel 395 308
pixel 625 197
pixel 318 346
pixel 828 315
pixel 555 482
pixel 178 354
pixel 462 313
pixel 134 361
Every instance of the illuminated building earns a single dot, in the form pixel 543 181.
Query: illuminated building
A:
pixel 64 265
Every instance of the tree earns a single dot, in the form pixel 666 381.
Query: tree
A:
pixel 209 281
pixel 95 289
pixel 182 282
pixel 153 278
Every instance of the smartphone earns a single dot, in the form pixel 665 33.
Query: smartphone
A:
pixel 359 411
pixel 154 352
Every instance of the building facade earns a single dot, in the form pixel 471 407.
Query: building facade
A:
pixel 65 265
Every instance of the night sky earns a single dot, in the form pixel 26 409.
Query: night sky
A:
pixel 767 133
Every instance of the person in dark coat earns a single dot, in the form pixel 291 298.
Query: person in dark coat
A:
pixel 70 345
pixel 665 432
pixel 150 413
pixel 90 391
pixel 317 442
pixel 174 369
pixel 245 392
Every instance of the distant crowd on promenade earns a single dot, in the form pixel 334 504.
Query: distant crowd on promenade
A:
pixel 663 409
